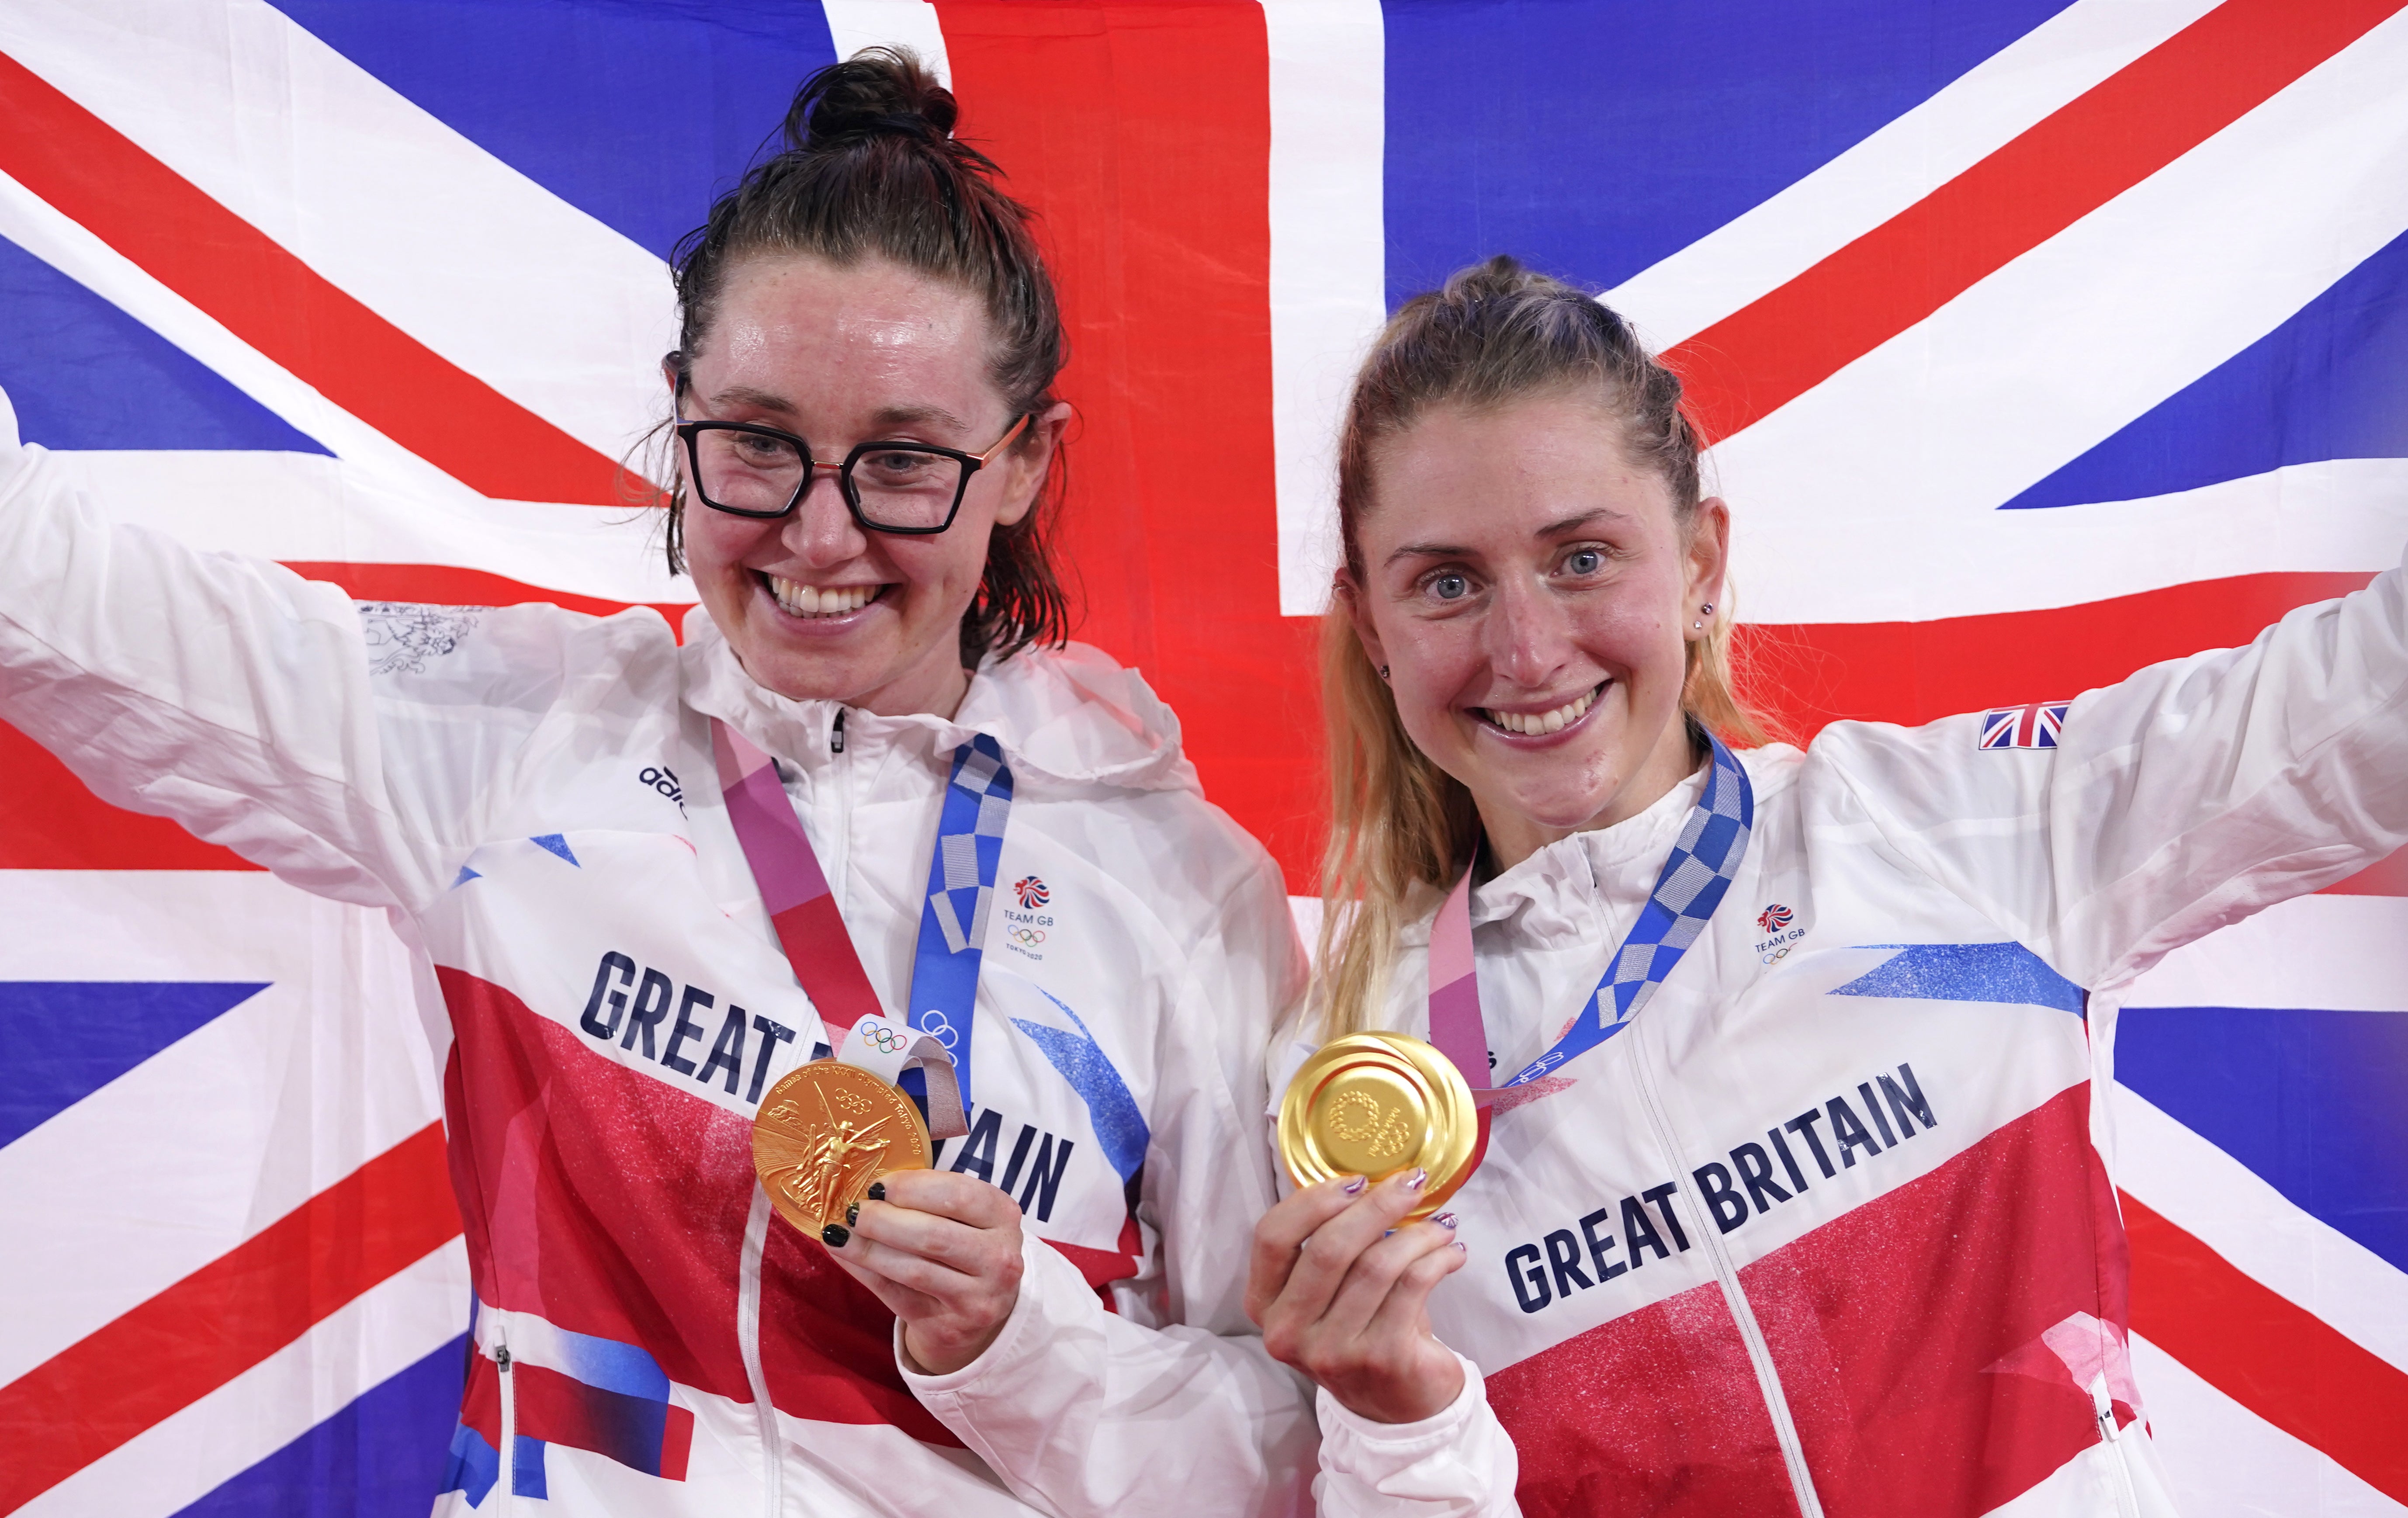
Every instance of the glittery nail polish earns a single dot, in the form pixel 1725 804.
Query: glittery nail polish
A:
pixel 1353 1187
pixel 1446 1221
pixel 852 1215
pixel 878 1190
pixel 835 1235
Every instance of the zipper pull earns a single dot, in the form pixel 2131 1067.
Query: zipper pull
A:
pixel 2105 1408
pixel 835 735
pixel 502 1358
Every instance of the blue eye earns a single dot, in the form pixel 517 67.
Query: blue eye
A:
pixel 1588 561
pixel 1450 587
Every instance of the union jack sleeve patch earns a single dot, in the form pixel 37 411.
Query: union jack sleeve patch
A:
pixel 2033 726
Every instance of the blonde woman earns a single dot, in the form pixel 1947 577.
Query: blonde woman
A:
pixel 1790 1201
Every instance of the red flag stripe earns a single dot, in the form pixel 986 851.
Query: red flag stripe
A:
pixel 1140 133
pixel 2126 128
pixel 279 306
pixel 224 1318
pixel 2267 1354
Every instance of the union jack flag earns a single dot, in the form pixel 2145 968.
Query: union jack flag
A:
pixel 377 289
pixel 2032 726
pixel 1031 892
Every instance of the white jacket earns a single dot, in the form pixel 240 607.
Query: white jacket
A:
pixel 529 792
pixel 1829 1226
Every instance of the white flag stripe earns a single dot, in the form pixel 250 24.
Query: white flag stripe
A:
pixel 2340 953
pixel 34 225
pixel 2207 1192
pixel 2224 1461
pixel 233 1126
pixel 479 262
pixel 1911 156
pixel 1329 298
pixel 1872 497
pixel 366 1341
pixel 855 24
pixel 309 508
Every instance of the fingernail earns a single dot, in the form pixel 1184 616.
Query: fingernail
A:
pixel 1445 1220
pixel 1459 1249
pixel 878 1190
pixel 1416 1181
pixel 835 1235
pixel 1354 1186
pixel 852 1215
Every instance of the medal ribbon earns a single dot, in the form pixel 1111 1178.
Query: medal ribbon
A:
pixel 1692 883
pixel 811 930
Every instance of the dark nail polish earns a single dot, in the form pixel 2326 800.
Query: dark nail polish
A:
pixel 1353 1187
pixel 1446 1221
pixel 852 1216
pixel 878 1190
pixel 835 1235
pixel 1416 1181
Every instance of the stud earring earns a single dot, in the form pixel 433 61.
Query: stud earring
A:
pixel 1707 609
pixel 1384 671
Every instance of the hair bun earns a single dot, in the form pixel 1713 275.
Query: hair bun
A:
pixel 877 92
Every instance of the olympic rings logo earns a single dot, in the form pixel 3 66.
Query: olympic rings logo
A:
pixel 1031 937
pixel 1778 954
pixel 885 1040
pixel 938 1027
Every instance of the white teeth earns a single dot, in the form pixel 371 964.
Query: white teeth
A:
pixel 1537 723
pixel 816 601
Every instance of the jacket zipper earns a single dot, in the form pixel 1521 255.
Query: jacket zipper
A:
pixel 509 1478
pixel 748 1330
pixel 2127 1500
pixel 1751 1333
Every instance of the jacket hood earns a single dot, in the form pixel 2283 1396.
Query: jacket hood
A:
pixel 1068 719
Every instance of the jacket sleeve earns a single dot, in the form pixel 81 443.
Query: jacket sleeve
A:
pixel 1457 1463
pixel 1168 1404
pixel 225 692
pixel 2187 797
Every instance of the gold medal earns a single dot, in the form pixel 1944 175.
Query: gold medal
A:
pixel 1375 1104
pixel 824 1132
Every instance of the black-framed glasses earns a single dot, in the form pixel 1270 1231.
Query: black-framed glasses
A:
pixel 748 470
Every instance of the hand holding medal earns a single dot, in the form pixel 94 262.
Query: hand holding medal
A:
pixel 833 1135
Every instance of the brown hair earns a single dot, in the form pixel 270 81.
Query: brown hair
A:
pixel 871 169
pixel 1493 333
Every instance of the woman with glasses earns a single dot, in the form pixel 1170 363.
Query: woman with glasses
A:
pixel 1790 1197
pixel 890 785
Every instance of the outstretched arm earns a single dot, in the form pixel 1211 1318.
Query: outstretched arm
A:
pixel 2188 796
pixel 226 693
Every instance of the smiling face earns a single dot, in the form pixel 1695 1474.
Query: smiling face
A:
pixel 1532 595
pixel 813 605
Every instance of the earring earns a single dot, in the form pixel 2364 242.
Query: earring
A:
pixel 1707 609
pixel 1384 671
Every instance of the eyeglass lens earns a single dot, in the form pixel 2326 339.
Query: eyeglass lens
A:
pixel 893 486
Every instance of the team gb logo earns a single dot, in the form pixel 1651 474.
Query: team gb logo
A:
pixel 1031 892
pixel 1775 918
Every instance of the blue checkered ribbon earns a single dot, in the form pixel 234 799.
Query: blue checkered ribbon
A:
pixel 1692 885
pixel 961 896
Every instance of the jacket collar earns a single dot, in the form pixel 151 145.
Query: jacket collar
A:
pixel 1070 720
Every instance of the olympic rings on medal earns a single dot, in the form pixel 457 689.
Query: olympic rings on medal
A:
pixel 885 1040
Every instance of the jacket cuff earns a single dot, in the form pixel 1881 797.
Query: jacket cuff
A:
pixel 1045 1301
pixel 1458 1462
